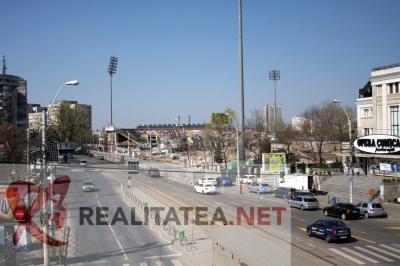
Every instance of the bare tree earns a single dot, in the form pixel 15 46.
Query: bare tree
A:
pixel 13 143
pixel 257 140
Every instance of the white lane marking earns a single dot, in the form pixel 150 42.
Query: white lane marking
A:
pixel 176 263
pixel 374 254
pixel 143 264
pixel 115 236
pixel 360 255
pixel 311 245
pixel 397 245
pixel 125 264
pixel 159 263
pixel 383 251
pixel 386 246
pixel 347 256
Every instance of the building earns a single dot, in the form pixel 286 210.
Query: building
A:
pixel 297 122
pixel 378 114
pixel 13 99
pixel 268 115
pixel 56 106
pixel 35 115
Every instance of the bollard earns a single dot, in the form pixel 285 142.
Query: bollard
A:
pixel 181 234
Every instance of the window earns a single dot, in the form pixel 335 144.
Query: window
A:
pixel 366 112
pixel 394 120
pixel 366 132
pixel 393 88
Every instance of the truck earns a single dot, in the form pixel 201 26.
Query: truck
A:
pixel 301 182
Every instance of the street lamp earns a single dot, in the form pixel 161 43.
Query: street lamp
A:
pixel 112 69
pixel 350 149
pixel 237 149
pixel 46 255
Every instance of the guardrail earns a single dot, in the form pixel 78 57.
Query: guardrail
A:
pixel 166 226
pixel 63 249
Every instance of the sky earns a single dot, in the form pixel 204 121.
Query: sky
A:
pixel 181 57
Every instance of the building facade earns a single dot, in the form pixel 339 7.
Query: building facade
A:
pixel 268 111
pixel 56 106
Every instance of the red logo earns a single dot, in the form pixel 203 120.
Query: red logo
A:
pixel 60 187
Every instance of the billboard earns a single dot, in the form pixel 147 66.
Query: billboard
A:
pixel 273 162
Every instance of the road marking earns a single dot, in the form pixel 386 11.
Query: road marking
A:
pixel 311 245
pixel 176 263
pixel 159 263
pixel 143 264
pixel 386 246
pixel 115 236
pixel 220 203
pixel 393 228
pixel 358 231
pixel 347 256
pixel 298 218
pixel 383 251
pixel 366 240
pixel 374 254
pixel 236 203
pixel 360 255
pixel 302 229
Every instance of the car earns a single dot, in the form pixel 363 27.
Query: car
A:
pixel 88 185
pixel 83 162
pixel 248 179
pixel 371 209
pixel 205 188
pixel 225 181
pixel 329 230
pixel 70 156
pixel 343 210
pixel 153 172
pixel 101 157
pixel 298 193
pixel 282 192
pixel 259 188
pixel 90 155
pixel 304 203
pixel 208 180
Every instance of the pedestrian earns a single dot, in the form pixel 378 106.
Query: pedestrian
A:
pixel 241 187
pixel 357 170
pixel 218 181
pixel 341 168
pixel 346 169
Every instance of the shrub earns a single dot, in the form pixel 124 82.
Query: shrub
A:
pixel 329 173
pixel 398 179
pixel 384 180
pixel 394 179
pixel 316 173
pixel 389 200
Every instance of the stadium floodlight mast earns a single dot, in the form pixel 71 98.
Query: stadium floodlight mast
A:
pixel 350 148
pixel 112 69
pixel 275 75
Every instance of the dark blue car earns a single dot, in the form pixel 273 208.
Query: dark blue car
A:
pixel 225 181
pixel 329 230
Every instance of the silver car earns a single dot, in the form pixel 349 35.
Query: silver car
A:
pixel 371 209
pixel 87 185
pixel 259 188
pixel 304 202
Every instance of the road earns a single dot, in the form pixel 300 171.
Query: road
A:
pixel 374 241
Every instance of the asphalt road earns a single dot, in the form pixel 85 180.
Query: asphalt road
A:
pixel 374 241
pixel 101 243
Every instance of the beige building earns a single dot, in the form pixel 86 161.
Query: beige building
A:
pixel 56 106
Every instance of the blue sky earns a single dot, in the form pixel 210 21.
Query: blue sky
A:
pixel 180 57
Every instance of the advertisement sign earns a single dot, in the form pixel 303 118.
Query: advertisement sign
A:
pixel 378 144
pixel 12 205
pixel 273 162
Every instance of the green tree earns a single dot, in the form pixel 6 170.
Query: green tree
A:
pixel 69 123
pixel 13 142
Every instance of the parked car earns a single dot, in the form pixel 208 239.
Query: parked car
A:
pixel 208 180
pixel 205 188
pixel 282 192
pixel 304 203
pixel 90 155
pixel 101 157
pixel 87 185
pixel 371 209
pixel 343 210
pixel 153 172
pixel 329 230
pixel 83 162
pixel 225 181
pixel 259 188
pixel 248 179
pixel 296 193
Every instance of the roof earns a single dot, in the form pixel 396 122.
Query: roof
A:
pixel 251 248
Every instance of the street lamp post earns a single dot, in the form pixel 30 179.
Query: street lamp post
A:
pixel 45 115
pixel 274 75
pixel 237 151
pixel 350 149
pixel 112 69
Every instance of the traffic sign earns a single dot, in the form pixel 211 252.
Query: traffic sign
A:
pixel 334 199
pixel 372 191
pixel 262 189
pixel 352 179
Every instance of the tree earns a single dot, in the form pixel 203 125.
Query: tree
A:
pixel 69 122
pixel 257 141
pixel 13 143
pixel 286 135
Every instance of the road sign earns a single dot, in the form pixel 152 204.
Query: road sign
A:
pixel 262 189
pixel 352 179
pixel 372 191
pixel 334 199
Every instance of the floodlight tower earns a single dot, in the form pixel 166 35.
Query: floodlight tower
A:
pixel 112 69
pixel 275 75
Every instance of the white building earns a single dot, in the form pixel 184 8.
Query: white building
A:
pixel 269 115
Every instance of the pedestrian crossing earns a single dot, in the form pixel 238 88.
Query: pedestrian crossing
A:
pixel 365 255
pixel 173 262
